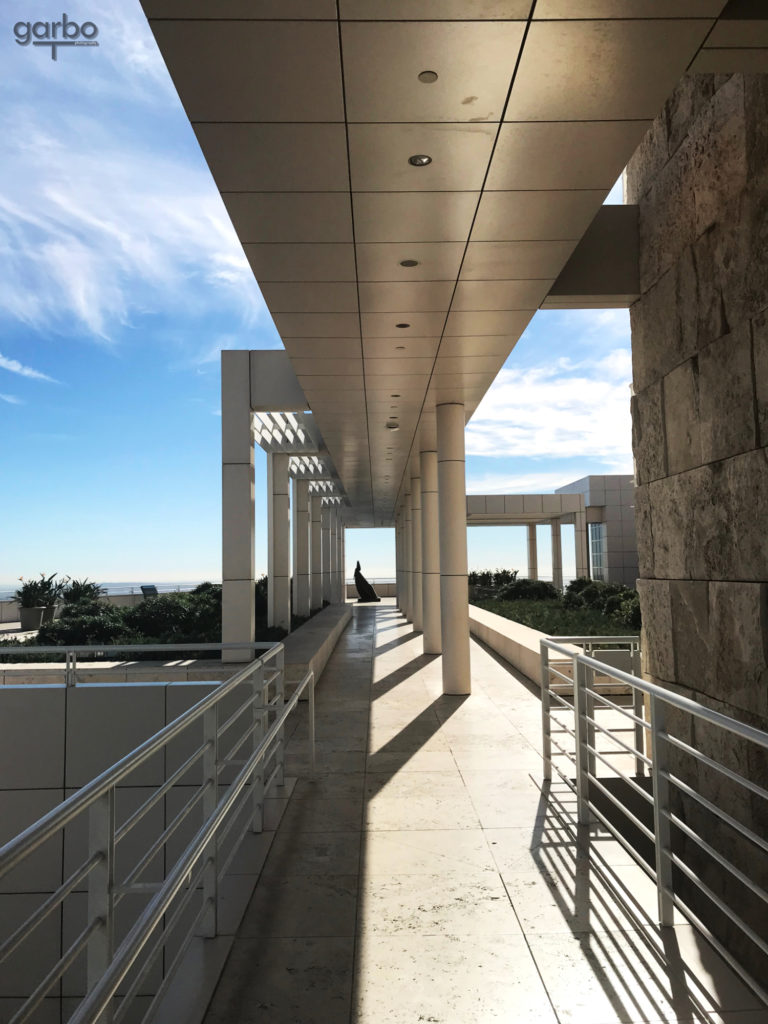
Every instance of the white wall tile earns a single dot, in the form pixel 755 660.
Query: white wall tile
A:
pixel 32 737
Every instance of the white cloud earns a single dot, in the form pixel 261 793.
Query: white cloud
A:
pixel 14 366
pixel 515 483
pixel 563 410
pixel 11 399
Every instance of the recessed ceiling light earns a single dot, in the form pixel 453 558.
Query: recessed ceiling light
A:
pixel 419 160
pixel 400 348
pixel 402 326
pixel 409 263
pixel 428 77
pixel 392 425
pixel 394 396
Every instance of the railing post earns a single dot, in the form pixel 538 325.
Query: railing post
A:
pixel 589 706
pixel 661 808
pixel 546 720
pixel 280 691
pixel 101 897
pixel 582 754
pixel 258 716
pixel 638 705
pixel 312 724
pixel 209 923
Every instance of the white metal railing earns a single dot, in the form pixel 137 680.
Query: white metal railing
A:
pixel 70 653
pixel 645 718
pixel 229 811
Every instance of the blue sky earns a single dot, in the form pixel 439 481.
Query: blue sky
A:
pixel 123 279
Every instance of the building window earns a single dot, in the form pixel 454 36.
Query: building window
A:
pixel 597 550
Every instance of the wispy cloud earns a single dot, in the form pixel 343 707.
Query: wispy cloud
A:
pixel 561 410
pixel 514 483
pixel 12 399
pixel 14 366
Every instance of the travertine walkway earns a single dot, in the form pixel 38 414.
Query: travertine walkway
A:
pixel 425 876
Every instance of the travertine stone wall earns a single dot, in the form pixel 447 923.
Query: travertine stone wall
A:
pixel 700 416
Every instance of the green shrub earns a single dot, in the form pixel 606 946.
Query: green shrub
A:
pixel 528 590
pixel 108 626
pixel 77 591
pixel 576 586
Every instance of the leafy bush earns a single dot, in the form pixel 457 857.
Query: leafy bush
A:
pixel 554 619
pixel 576 586
pixel 106 626
pixel 261 597
pixel 528 590
pixel 42 593
pixel 82 590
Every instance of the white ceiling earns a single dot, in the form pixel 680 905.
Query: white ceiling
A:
pixel 307 115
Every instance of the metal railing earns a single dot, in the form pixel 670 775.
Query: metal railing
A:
pixel 70 653
pixel 574 704
pixel 253 756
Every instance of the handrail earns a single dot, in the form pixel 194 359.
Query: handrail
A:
pixel 258 645
pixel 98 998
pixel 16 849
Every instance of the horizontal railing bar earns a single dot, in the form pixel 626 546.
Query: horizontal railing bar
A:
pixel 99 996
pixel 249 703
pixel 621 775
pixel 177 960
pixel 243 738
pixel 744 879
pixel 160 940
pixel 635 820
pixel 625 746
pixel 703 759
pixel 169 783
pixel 717 811
pixel 563 703
pixel 611 828
pixel 745 976
pixel 675 700
pixel 723 907
pixel 15 850
pixel 633 639
pixel 56 972
pixel 48 905
pixel 236 844
pixel 166 834
pixel 566 753
pixel 561 675
pixel 130 889
pixel 617 707
pixel 250 645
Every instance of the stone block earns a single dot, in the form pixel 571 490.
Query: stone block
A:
pixel 647 161
pixel 655 606
pixel 756 126
pixel 692 96
pixel 739 645
pixel 667 217
pixel 644 528
pixel 753 283
pixel 681 417
pixel 670 528
pixel 656 332
pixel 718 166
pixel 760 360
pixel 648 443
pixel 690 632
pixel 726 398
pixel 744 494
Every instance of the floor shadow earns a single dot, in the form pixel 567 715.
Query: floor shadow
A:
pixel 397 642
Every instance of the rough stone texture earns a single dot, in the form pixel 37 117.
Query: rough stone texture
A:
pixel 700 427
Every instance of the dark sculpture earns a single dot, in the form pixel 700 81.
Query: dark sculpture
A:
pixel 365 591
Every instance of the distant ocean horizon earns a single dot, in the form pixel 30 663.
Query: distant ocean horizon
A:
pixel 7 590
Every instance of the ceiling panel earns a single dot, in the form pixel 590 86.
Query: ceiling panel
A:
pixel 413 216
pixel 321 365
pixel 407 367
pixel 273 157
pixel 488 260
pixel 302 262
pixel 436 261
pixel 379 155
pixel 477 324
pixel 433 10
pixel 601 70
pixel 419 296
pixel 336 348
pixel 400 348
pixel 419 325
pixel 317 325
pixel 315 383
pixel 488 345
pixel 290 217
pixel 269 9
pixel 502 294
pixel 563 155
pixel 536 214
pixel 567 9
pixel 474 62
pixel 740 32
pixel 245 71
pixel 310 296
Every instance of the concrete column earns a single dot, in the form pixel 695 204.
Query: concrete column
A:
pixel 533 553
pixel 342 585
pixel 325 534
pixel 397 560
pixel 279 533
pixel 557 555
pixel 407 546
pixel 237 505
pixel 315 553
pixel 452 505
pixel 416 550
pixel 580 539
pixel 301 547
pixel 430 555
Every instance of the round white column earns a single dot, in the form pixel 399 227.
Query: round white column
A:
pixel 452 505
pixel 334 554
pixel 279 592
pixel 325 531
pixel 533 555
pixel 408 581
pixel 316 553
pixel 557 555
pixel 301 540
pixel 416 552
pixel 430 555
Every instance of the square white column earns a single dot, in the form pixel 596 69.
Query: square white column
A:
pixel 279 567
pixel 416 543
pixel 316 552
pixel 533 554
pixel 301 595
pixel 430 555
